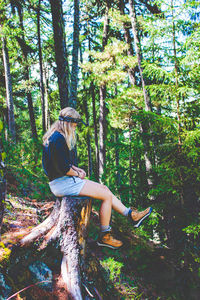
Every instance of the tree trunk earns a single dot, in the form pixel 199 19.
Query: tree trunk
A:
pixel 95 130
pixel 30 103
pixel 90 169
pixel 9 92
pixel 117 159
pixel 177 100
pixel 67 224
pixel 44 124
pixel 130 166
pixel 74 73
pixel 127 36
pixel 143 128
pixel 26 75
pixel 138 53
pixel 60 51
pixel 46 89
pixel 102 93
pixel 2 178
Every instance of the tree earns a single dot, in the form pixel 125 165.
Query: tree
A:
pixel 2 177
pixel 74 72
pixel 102 95
pixel 9 92
pixel 42 92
pixel 60 51
pixel 26 49
pixel 68 219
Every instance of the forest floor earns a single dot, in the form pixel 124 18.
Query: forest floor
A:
pixel 141 269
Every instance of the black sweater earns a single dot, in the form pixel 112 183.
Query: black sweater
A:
pixel 57 158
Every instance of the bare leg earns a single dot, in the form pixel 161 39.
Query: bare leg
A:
pixel 109 201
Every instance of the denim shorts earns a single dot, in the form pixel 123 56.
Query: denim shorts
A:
pixel 66 186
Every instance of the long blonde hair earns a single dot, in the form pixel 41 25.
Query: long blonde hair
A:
pixel 65 128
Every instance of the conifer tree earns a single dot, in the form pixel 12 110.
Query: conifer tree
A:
pixel 60 51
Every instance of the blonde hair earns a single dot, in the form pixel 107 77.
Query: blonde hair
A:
pixel 65 128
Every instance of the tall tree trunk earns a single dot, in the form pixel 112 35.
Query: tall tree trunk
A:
pixel 30 105
pixel 130 166
pixel 177 100
pixel 2 178
pixel 9 92
pixel 95 129
pixel 44 124
pixel 176 74
pixel 90 169
pixel 26 75
pixel 102 93
pixel 143 128
pixel 92 90
pixel 87 121
pixel 46 89
pixel 127 36
pixel 117 159
pixel 138 52
pixel 60 51
pixel 74 73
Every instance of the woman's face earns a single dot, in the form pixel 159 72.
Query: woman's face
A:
pixel 74 126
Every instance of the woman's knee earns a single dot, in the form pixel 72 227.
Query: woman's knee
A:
pixel 107 192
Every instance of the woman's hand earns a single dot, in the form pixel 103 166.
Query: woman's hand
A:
pixel 82 173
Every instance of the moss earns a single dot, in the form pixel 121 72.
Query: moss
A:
pixel 5 255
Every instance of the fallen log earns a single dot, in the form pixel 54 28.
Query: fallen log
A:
pixel 67 224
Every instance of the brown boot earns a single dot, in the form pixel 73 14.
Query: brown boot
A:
pixel 107 240
pixel 137 217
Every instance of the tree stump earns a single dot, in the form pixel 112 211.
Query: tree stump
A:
pixel 66 224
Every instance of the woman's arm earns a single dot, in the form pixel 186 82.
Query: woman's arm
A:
pixel 75 171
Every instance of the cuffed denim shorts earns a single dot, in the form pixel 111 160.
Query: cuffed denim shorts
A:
pixel 66 186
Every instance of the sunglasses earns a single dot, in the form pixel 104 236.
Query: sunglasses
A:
pixel 72 120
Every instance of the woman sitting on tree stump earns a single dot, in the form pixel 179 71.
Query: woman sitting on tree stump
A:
pixel 65 179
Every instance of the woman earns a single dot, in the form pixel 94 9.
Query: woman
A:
pixel 67 179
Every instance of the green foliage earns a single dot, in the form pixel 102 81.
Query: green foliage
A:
pixel 113 268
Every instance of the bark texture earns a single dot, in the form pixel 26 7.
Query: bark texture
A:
pixel 2 179
pixel 60 51
pixel 67 224
pixel 44 124
pixel 74 73
pixel 102 94
pixel 138 53
pixel 9 92
pixel 25 51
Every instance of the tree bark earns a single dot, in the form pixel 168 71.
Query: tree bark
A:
pixel 102 93
pixel 25 50
pixel 177 99
pixel 74 72
pixel 127 36
pixel 46 89
pixel 117 159
pixel 144 129
pixel 90 168
pixel 138 53
pixel 67 224
pixel 130 166
pixel 2 178
pixel 44 124
pixel 60 51
pixel 9 92
pixel 95 129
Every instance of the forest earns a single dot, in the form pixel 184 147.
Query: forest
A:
pixel 131 68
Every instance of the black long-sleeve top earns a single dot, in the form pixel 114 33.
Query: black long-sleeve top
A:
pixel 57 159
